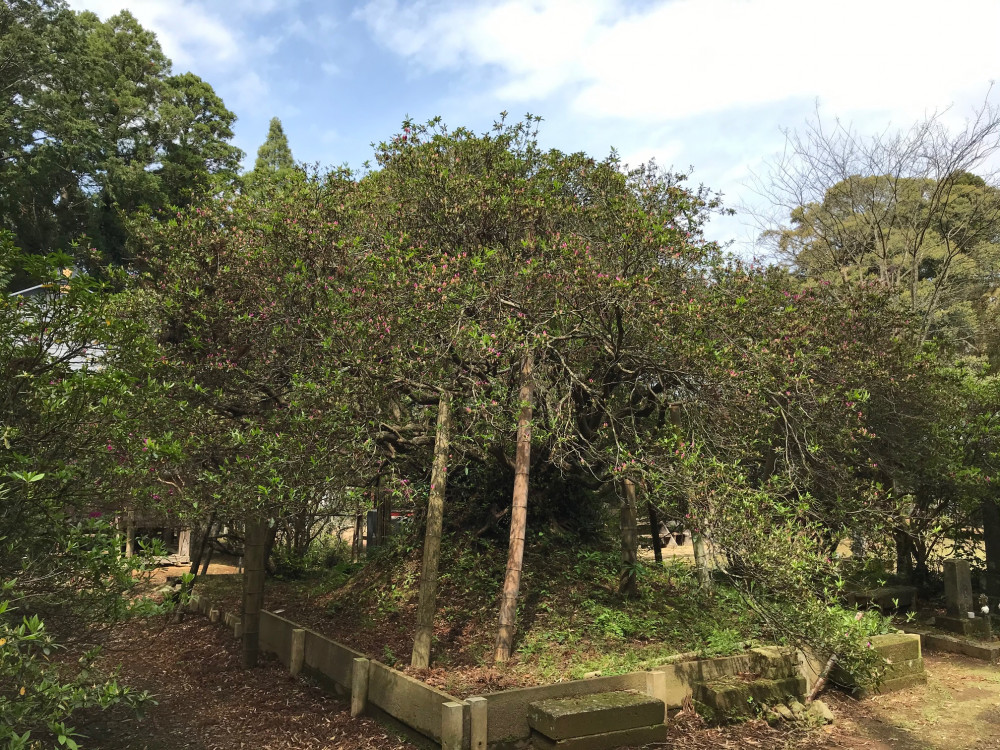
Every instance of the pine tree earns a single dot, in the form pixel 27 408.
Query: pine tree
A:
pixel 274 155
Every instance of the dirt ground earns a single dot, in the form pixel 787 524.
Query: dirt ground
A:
pixel 958 709
pixel 207 702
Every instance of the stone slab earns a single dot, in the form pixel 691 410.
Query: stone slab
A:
pixel 582 715
pixel 605 740
pixel 904 682
pixel 507 711
pixel 896 669
pixel 773 662
pixel 730 696
pixel 978 627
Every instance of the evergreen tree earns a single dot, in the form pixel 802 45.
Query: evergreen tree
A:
pixel 274 155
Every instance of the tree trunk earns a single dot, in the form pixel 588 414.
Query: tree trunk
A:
pixel 991 538
pixel 208 557
pixel 627 585
pixel 383 523
pixel 130 534
pixel 654 529
pixel 421 656
pixel 254 557
pixel 904 559
pixel 199 553
pixel 701 561
pixel 518 515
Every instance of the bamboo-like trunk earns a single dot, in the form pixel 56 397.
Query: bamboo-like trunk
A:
pixel 627 585
pixel 255 557
pixel 518 515
pixel 427 606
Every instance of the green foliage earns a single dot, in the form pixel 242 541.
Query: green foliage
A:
pixel 40 696
pixel 274 155
pixel 94 123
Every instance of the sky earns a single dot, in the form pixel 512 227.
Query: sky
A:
pixel 706 85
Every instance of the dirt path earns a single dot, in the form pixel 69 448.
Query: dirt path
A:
pixel 958 709
pixel 207 702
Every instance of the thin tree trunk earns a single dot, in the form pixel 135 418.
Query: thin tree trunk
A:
pixel 654 529
pixel 421 656
pixel 208 557
pixel 627 585
pixel 904 558
pixel 130 534
pixel 518 515
pixel 202 541
pixel 701 561
pixel 383 522
pixel 254 556
pixel 991 538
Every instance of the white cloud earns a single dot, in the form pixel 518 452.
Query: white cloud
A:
pixel 187 32
pixel 679 59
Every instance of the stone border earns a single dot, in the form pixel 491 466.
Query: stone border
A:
pixel 496 720
pixel 954 645
pixel 431 712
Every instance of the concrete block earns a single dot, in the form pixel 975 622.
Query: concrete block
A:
pixel 297 651
pixel 276 636
pixel 656 687
pixel 452 725
pixel 605 740
pixel 479 730
pixel 413 702
pixel 359 687
pixel 897 646
pixel 238 628
pixel 330 659
pixel 562 718
pixel 214 615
